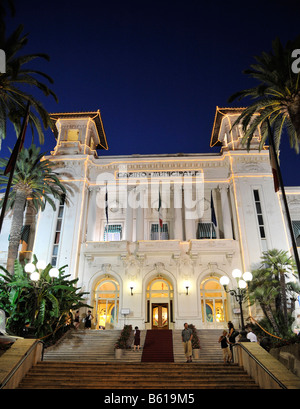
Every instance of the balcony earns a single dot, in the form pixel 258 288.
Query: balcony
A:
pixel 226 247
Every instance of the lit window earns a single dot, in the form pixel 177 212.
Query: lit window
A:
pixel 163 234
pixel 113 232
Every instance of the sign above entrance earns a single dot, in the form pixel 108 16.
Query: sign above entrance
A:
pixel 146 174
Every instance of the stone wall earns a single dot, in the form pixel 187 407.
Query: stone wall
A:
pixel 289 356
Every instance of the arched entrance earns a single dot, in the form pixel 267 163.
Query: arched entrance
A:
pixel 160 296
pixel 213 302
pixel 107 294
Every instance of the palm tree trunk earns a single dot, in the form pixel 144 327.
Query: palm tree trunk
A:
pixel 283 297
pixel 16 229
pixel 269 314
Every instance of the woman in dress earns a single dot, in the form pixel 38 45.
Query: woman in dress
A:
pixel 231 339
pixel 136 339
pixel 88 320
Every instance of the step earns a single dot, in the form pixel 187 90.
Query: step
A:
pixel 64 375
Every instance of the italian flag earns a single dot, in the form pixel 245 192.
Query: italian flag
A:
pixel 274 168
pixel 160 210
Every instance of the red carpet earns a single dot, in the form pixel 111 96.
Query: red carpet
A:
pixel 158 346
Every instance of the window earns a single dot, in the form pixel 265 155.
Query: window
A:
pixel 107 295
pixel 73 135
pixel 213 301
pixel 58 231
pixel 260 219
pixel 113 232
pixel 159 233
pixel 206 231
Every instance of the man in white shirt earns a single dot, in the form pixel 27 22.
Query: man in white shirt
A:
pixel 251 336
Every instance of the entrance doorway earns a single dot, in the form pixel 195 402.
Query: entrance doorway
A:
pixel 159 303
pixel 160 318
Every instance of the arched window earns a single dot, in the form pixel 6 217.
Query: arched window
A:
pixel 107 294
pixel 213 301
pixel 159 288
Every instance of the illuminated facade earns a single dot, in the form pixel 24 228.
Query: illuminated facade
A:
pixel 160 276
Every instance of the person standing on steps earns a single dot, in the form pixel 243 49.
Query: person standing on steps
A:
pixel 187 335
pixel 137 340
pixel 231 337
pixel 88 320
pixel 225 349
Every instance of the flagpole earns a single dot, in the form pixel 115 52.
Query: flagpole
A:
pixel 11 164
pixel 159 210
pixel 106 211
pixel 272 146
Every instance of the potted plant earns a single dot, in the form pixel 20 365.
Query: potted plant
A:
pixel 121 343
pixel 195 342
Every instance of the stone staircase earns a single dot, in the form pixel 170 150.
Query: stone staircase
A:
pixel 85 359
pixel 91 346
pixel 98 346
pixel 210 351
pixel 154 375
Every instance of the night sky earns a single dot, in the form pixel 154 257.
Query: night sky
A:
pixel 155 69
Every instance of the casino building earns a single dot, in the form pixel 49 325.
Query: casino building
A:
pixel 150 236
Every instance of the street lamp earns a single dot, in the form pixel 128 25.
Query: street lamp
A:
pixel 239 294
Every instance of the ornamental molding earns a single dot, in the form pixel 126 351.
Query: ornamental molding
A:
pixel 132 266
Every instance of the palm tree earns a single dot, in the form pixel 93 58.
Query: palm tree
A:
pixel 35 181
pixel 265 298
pixel 14 85
pixel 276 96
pixel 279 264
pixel 263 289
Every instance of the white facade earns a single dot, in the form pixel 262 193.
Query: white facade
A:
pixel 133 273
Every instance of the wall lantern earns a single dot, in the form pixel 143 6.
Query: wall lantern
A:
pixel 187 285
pixel 131 286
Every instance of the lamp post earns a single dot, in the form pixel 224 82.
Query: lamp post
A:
pixel 239 294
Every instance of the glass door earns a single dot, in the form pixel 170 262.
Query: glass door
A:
pixel 160 319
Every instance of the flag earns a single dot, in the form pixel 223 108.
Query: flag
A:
pixel 274 170
pixel 273 159
pixel 274 167
pixel 106 205
pixel 160 210
pixel 213 215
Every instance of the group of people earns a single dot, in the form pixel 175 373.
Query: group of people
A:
pixel 227 339
pixel 87 320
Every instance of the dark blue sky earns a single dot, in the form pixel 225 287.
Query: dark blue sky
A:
pixel 155 69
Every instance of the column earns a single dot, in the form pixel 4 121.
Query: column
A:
pixel 226 212
pixel 140 216
pixel 92 215
pixel 189 213
pixel 129 217
pixel 177 203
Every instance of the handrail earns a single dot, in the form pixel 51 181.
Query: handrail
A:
pixel 27 353
pixel 261 365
